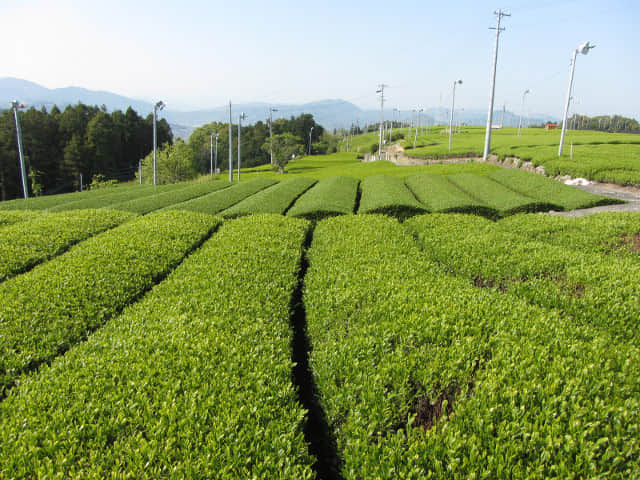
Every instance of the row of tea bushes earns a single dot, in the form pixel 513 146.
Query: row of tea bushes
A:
pixel 193 381
pixel 329 197
pixel 29 242
pixel 150 203
pixel 275 199
pixel 423 375
pixel 217 201
pixel 595 289
pixel 48 309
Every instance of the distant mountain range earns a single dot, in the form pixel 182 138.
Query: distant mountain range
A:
pixel 330 114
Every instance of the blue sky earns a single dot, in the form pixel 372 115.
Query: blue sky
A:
pixel 200 54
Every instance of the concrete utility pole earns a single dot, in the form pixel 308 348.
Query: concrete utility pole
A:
pixel 522 109
pixel 271 110
pixel 583 49
pixel 230 146
pixel 415 138
pixel 158 106
pixel 214 169
pixel 393 119
pixel 380 90
pixel 453 106
pixel 311 131
pixel 16 106
pixel 241 117
pixel 487 140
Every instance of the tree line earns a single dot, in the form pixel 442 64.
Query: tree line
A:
pixel 604 123
pixel 59 146
pixel 294 136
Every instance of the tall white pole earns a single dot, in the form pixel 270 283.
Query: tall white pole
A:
pixel 311 131
pixel 240 118
pixel 15 106
pixel 271 110
pixel 381 92
pixel 583 49
pixel 230 146
pixel 215 156
pixel 487 139
pixel 155 142
pixel 159 105
pixel 453 106
pixel 211 154
pixel 522 110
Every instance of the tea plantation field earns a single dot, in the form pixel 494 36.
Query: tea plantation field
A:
pixel 324 326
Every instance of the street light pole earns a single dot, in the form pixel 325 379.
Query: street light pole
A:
pixel 487 139
pixel 271 110
pixel 212 170
pixel 381 92
pixel 230 146
pixel 310 132
pixel 16 106
pixel 241 117
pixel 583 49
pixel 158 106
pixel 522 109
pixel 215 156
pixel 453 104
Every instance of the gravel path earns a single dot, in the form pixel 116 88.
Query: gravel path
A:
pixel 629 194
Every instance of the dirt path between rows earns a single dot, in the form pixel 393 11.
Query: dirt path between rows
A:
pixel 396 154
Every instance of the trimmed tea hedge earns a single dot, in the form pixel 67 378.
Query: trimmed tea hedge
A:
pixel 594 289
pixel 275 199
pixel 25 244
pixel 497 196
pixel 390 196
pixel 117 196
pixel 194 381
pixel 10 217
pixel 218 201
pixel 329 197
pixel 165 199
pixel 58 303
pixel 422 375
pixel 547 190
pixel 50 201
pixel 440 195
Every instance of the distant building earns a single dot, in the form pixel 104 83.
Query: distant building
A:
pixel 550 126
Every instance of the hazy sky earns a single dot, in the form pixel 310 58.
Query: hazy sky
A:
pixel 200 54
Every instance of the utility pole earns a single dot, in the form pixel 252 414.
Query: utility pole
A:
pixel 311 131
pixel 381 92
pixel 487 140
pixel 16 106
pixel 213 134
pixel 271 110
pixel 522 109
pixel 241 117
pixel 453 106
pixel 158 106
pixel 215 156
pixel 583 49
pixel 230 147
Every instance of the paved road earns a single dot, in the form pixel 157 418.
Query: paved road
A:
pixel 629 194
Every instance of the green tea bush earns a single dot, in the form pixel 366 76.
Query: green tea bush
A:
pixel 193 381
pixel 438 194
pixel 547 190
pixel 217 201
pixel 25 244
pixel 57 304
pixel 388 195
pixel 329 197
pixel 165 199
pixel 275 199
